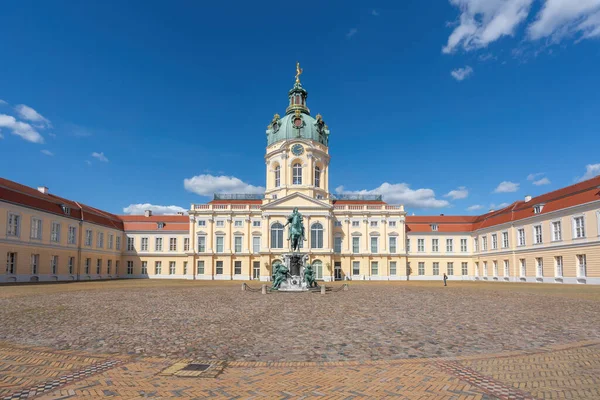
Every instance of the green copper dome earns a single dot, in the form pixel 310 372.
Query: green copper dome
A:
pixel 297 122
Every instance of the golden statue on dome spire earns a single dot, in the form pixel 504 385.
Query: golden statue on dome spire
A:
pixel 298 72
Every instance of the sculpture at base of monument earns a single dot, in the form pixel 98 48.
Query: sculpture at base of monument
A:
pixel 280 273
pixel 309 276
pixel 296 230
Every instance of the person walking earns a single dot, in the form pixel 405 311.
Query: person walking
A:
pixel 445 279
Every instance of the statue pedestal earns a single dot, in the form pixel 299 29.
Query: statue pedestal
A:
pixel 295 264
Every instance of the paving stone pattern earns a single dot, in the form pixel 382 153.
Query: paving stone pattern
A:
pixel 367 322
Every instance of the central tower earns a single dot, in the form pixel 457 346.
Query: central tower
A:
pixel 297 155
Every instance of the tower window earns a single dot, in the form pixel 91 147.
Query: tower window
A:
pixel 297 174
pixel 277 176
pixel 317 177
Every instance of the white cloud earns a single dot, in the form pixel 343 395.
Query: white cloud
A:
pixel 52 135
pixel 401 193
pixel 460 193
pixel 22 129
pixel 507 187
pixel 206 185
pixel 499 206
pixel 100 156
pixel 375 13
pixel 532 177
pixel 3 103
pixel 543 181
pixel 77 130
pixel 47 152
pixel 485 21
pixel 138 209
pixel 29 114
pixel 461 73
pixel 1 135
pixel 591 170
pixel 88 162
pixel 351 33
pixel 475 207
pixel 561 18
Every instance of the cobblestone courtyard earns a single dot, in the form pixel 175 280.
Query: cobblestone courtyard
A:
pixel 415 339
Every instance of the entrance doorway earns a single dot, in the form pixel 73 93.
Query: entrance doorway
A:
pixel 256 270
pixel 318 269
pixel 337 270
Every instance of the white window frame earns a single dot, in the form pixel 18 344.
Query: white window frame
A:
pixel 144 244
pixel 393 268
pixel 374 268
pixel 256 244
pixel 374 244
pixel 297 173
pixel 100 240
pixel 13 225
pixel 201 245
pixel 55 233
pixel 420 245
pixel 484 244
pixel 356 244
pixel 202 223
pixel 238 223
pixel 172 267
pixel 277 173
pixel 220 223
pixel 421 268
pixel 186 244
pixel 118 242
pixel 71 265
pixel 538 239
pixel 238 244
pixel 494 241
pixel 35 264
pixel 89 237
pixel 158 244
pixel 373 224
pixel 558 266
pixel 521 237
pixel 485 269
pixel 506 268
pixel 130 243
pixel 449 245
pixel 129 268
pixel 256 224
pixel 450 267
pixel 575 218
pixel 220 238
pixel 581 265
pixel 434 227
pixel 393 244
pixel 392 224
pixel 539 267
pixel 72 239
pixel 172 244
pixel 435 268
pixel 53 264
pixel 355 268
pixel 522 267
pixel 505 240
pixel 337 240
pixel 355 224
pixel 36 234
pixel 476 245
pixel 554 236
pixel 435 245
pixel 464 268
pixel 144 268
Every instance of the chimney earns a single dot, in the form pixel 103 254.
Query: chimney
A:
pixel 527 199
pixel 491 210
pixel 179 212
pixel 148 213
pixel 441 215
pixel 43 189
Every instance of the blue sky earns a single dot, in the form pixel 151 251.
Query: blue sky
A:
pixel 448 106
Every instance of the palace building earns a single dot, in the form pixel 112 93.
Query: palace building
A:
pixel 552 238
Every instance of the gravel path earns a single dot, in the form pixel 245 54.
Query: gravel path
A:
pixel 370 321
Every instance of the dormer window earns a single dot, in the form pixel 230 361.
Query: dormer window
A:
pixel 434 227
pixel 160 225
pixel 538 208
pixel 66 209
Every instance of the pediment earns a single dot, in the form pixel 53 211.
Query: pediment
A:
pixel 302 201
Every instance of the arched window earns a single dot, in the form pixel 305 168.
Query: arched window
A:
pixel 277 176
pixel 297 174
pixel 317 177
pixel 318 269
pixel 316 236
pixel 277 236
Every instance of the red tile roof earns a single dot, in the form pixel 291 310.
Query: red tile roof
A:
pixel 29 197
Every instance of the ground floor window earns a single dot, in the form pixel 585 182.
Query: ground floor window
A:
pixel 71 264
pixel 108 266
pixel 237 268
pixel 539 262
pixel 219 268
pixel 88 263
pixel 450 268
pixel 374 268
pixel 559 265
pixel 421 268
pixel 129 268
pixel 393 271
pixel 11 263
pixel 157 267
pixel 200 267
pixel 185 267
pixel 171 267
pixel 256 270
pixel 506 268
pixel 54 265
pixel 436 268
pixel 144 267
pixel 465 268
pixel 35 262
pixel 581 266
pixel 485 271
pixel 318 269
pixel 495 264
pixel 476 269
pixel 523 267
pixel 116 268
pixel 98 266
pixel 355 267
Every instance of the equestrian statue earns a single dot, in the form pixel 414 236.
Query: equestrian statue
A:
pixel 296 230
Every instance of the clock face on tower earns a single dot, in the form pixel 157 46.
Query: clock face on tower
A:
pixel 297 149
